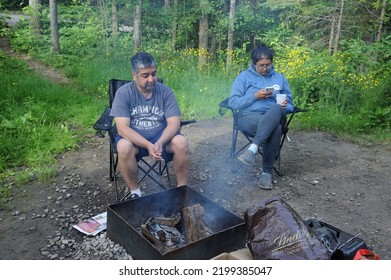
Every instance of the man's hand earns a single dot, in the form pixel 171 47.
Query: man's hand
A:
pixel 155 151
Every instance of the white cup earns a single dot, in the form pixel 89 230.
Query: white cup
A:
pixel 280 97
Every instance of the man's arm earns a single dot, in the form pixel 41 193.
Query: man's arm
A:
pixel 130 134
pixel 154 150
pixel 172 128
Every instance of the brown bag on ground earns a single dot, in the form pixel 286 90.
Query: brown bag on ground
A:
pixel 276 232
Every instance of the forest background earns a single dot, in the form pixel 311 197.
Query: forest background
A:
pixel 335 54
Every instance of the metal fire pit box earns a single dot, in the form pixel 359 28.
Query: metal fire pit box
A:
pixel 124 219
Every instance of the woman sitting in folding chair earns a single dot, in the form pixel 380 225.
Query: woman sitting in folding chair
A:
pixel 254 93
pixel 147 118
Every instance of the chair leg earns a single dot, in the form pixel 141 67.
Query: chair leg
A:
pixel 235 152
pixel 112 163
pixel 165 169
pixel 115 177
pixel 236 166
pixel 278 168
pixel 113 170
pixel 158 168
pixel 278 157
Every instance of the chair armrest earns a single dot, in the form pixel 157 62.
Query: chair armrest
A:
pixel 224 107
pixel 224 103
pixel 104 123
pixel 298 110
pixel 187 122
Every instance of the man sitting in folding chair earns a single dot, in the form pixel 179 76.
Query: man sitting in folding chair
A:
pixel 147 118
pixel 254 93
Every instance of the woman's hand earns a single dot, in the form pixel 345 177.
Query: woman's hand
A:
pixel 263 94
pixel 284 103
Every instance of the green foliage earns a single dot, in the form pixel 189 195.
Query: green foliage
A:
pixel 3 25
pixel 38 121
pixel 380 118
pixel 82 29
pixel 345 82
pixel 13 5
pixel 22 38
pixel 347 93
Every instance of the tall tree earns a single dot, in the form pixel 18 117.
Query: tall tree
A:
pixel 331 37
pixel 105 15
pixel 137 25
pixel 174 25
pixel 381 21
pixel 203 33
pixel 166 5
pixel 114 18
pixel 339 26
pixel 35 21
pixel 230 45
pixel 54 26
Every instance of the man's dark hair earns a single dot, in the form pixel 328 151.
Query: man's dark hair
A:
pixel 261 51
pixel 142 60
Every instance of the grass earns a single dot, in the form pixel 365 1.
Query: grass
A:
pixel 199 96
pixel 39 120
pixel 347 126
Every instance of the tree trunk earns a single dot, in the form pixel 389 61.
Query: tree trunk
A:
pixel 203 35
pixel 104 20
pixel 175 25
pixel 231 32
pixel 137 26
pixel 114 19
pixel 381 21
pixel 339 26
pixel 331 38
pixel 54 26
pixel 167 5
pixel 35 22
pixel 186 31
pixel 213 47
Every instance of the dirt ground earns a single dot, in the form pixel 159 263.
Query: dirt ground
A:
pixel 341 183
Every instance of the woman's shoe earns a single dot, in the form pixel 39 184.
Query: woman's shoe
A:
pixel 247 157
pixel 265 181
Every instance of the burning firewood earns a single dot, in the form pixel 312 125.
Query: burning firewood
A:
pixel 165 238
pixel 193 223
pixel 168 221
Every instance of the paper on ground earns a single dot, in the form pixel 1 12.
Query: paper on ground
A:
pixel 93 225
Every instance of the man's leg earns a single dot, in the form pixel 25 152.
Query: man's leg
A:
pixel 180 162
pixel 127 163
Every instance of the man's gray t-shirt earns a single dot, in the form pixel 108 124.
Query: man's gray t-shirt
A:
pixel 147 116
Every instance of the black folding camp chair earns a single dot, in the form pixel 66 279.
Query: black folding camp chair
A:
pixel 105 124
pixel 237 148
